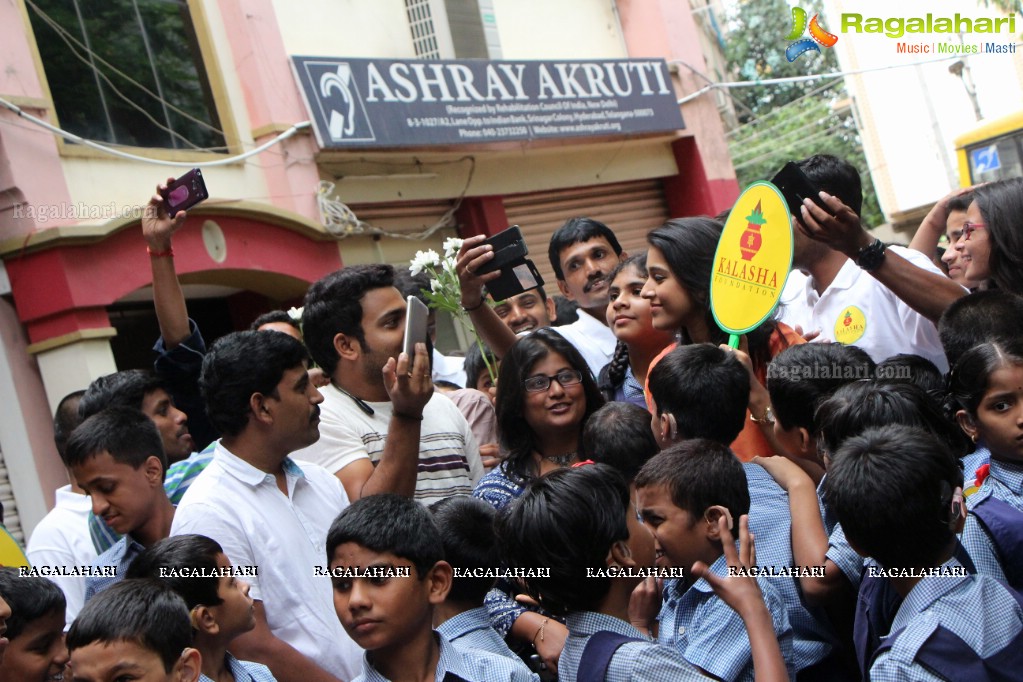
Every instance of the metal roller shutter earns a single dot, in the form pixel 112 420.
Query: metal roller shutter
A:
pixel 11 519
pixel 631 209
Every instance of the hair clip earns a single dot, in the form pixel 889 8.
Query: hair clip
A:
pixel 583 463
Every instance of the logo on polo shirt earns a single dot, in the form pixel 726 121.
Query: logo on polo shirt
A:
pixel 851 325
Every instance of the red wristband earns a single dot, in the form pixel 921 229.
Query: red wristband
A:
pixel 168 253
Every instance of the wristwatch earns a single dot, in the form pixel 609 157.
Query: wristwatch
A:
pixel 766 418
pixel 870 257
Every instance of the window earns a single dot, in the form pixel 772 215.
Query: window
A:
pixel 424 37
pixel 128 72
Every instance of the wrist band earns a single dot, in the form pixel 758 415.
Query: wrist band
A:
pixel 402 415
pixel 167 253
pixel 475 307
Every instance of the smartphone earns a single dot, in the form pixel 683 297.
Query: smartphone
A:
pixel 793 184
pixel 416 314
pixel 509 247
pixel 516 277
pixel 185 192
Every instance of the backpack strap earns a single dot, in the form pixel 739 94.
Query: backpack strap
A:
pixel 876 605
pixel 598 653
pixel 1004 525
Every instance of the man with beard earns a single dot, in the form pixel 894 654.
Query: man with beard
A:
pixel 383 429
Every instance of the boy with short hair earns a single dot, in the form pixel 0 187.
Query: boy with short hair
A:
pixel 35 629
pixel 619 435
pixel 138 629
pixel 219 603
pixel 391 617
pixel 117 458
pixel 951 625
pixel 682 492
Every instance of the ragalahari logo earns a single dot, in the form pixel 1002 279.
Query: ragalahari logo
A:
pixel 817 35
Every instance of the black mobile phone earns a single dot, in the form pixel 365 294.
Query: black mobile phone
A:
pixel 516 277
pixel 509 248
pixel 185 192
pixel 793 184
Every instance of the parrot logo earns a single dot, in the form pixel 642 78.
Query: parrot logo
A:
pixel 818 36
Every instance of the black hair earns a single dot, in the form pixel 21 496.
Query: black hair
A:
pixel 272 317
pixel 567 521
pixel 126 433
pixel 860 405
pixel 620 436
pixel 835 176
pixel 1001 205
pixel 389 523
pixel 412 285
pixel 969 379
pixel 565 311
pixel 909 525
pixel 466 527
pixel 698 473
pixel 616 369
pixel 959 202
pixel 65 419
pixel 705 388
pixel 192 552
pixel 574 231
pixel 913 369
pixel 516 366
pixel 333 305
pixel 127 388
pixel 145 612
pixel 30 598
pixel 473 363
pixel 801 376
pixel 688 246
pixel 239 365
pixel 981 316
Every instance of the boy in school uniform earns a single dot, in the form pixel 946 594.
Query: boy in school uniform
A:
pixel 951 625
pixel 117 457
pixel 139 630
pixel 35 629
pixel 389 575
pixel 681 492
pixel 466 526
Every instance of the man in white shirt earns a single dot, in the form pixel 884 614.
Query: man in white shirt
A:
pixel 382 429
pixel 857 291
pixel 268 511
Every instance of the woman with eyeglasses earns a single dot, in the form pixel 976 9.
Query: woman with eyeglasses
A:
pixel 992 240
pixel 545 393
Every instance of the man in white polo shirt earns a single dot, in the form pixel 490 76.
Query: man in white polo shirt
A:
pixel 270 513
pixel 850 287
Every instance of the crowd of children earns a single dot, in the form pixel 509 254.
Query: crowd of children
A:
pixel 659 506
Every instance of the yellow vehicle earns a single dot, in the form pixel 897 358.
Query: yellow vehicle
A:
pixel 993 150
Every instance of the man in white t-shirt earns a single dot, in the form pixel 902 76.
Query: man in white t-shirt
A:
pixel 269 512
pixel 855 290
pixel 381 429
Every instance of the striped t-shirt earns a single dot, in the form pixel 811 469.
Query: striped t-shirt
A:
pixel 449 457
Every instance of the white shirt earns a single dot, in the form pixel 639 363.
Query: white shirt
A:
pixel 242 508
pixel 62 539
pixel 858 310
pixel 449 457
pixel 449 368
pixel 594 341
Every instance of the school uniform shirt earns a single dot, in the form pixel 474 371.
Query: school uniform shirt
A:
pixel 472 630
pixel 858 310
pixel 592 338
pixel 119 558
pixel 1004 482
pixel 62 539
pixel 449 456
pixel 244 671
pixel 478 666
pixel 978 609
pixel 839 551
pixel 643 661
pixel 284 537
pixel 709 634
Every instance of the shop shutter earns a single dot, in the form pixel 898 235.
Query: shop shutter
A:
pixel 630 209
pixel 11 519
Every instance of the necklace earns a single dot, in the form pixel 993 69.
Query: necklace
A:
pixel 560 460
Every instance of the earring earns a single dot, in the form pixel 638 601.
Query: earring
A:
pixel 974 438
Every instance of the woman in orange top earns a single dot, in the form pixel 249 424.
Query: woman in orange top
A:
pixel 679 265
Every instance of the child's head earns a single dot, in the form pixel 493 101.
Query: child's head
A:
pixel 138 629
pixel 912 369
pixel 571 520
pixel 620 436
pixel 682 493
pixel 117 458
pixel 476 374
pixel 986 389
pixel 219 607
pixel 914 522
pixel 982 316
pixel 628 313
pixel 387 531
pixel 466 527
pixel 799 379
pixel 700 391
pixel 35 629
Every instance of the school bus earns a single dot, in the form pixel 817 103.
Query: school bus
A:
pixel 993 150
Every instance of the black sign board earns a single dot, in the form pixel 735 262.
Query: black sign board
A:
pixel 388 103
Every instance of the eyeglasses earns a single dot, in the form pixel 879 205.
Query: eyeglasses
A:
pixel 969 228
pixel 542 382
